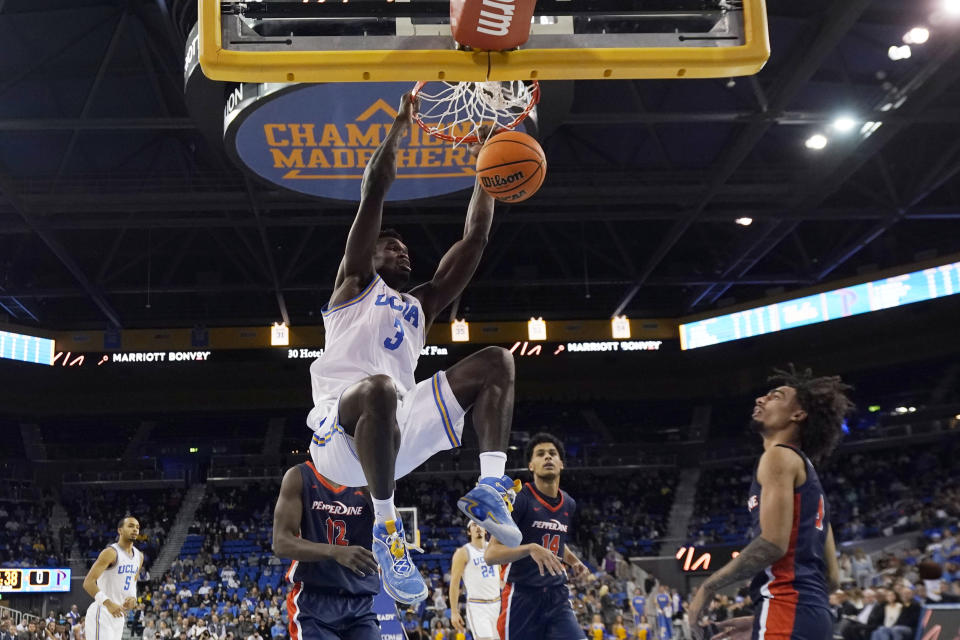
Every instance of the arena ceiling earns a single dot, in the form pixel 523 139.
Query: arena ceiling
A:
pixel 116 210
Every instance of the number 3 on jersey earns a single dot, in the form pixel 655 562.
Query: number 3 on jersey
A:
pixel 552 542
pixel 394 342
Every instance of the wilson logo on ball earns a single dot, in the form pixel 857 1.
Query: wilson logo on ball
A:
pixel 511 166
pixel 500 181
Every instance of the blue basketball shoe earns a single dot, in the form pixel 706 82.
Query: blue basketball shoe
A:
pixel 489 505
pixel 400 577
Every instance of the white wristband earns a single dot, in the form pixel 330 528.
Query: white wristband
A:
pixel 100 597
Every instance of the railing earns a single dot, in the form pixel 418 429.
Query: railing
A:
pixel 19 616
pixel 901 432
pixel 116 475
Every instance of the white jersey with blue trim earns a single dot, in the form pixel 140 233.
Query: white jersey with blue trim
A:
pixel 119 581
pixel 379 331
pixel 482 581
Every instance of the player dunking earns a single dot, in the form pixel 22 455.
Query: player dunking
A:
pixel 535 603
pixel 373 423
pixel 112 583
pixel 482 583
pixel 325 529
pixel 793 560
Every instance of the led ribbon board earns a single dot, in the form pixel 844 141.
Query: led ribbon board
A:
pixel 928 284
pixel 34 580
pixel 16 346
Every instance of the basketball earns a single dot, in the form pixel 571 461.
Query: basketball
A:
pixel 511 166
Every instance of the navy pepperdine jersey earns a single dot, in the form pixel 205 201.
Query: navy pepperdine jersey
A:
pixel 799 577
pixel 341 516
pixel 544 521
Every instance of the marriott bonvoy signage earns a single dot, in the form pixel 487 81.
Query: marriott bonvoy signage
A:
pixel 317 139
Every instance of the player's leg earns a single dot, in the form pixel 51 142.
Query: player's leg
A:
pixel 482 620
pixel 814 622
pixel 484 382
pixel 101 625
pixel 520 616
pixel 368 412
pixel 314 616
pixel 360 621
pixel 560 622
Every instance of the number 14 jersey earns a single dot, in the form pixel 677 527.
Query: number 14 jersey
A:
pixel 545 521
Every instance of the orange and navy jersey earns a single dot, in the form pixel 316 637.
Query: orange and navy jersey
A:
pixel 341 516
pixel 545 521
pixel 799 577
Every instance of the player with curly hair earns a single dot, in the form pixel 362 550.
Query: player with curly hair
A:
pixel 792 559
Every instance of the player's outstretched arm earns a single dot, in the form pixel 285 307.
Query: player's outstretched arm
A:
pixel 458 265
pixel 106 558
pixel 777 474
pixel 287 542
pixel 547 561
pixel 580 571
pixel 378 176
pixel 457 565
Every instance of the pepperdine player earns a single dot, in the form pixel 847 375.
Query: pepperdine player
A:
pixel 793 559
pixel 325 529
pixel 535 602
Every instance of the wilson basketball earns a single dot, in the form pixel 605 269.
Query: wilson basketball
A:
pixel 511 166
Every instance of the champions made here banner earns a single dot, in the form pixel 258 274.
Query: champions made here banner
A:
pixel 317 139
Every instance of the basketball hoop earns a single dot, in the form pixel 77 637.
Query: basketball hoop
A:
pixel 455 111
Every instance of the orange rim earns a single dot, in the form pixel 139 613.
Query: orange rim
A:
pixel 436 133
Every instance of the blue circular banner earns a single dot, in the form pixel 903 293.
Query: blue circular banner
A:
pixel 318 138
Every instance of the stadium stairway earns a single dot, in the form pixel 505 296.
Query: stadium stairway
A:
pixel 596 424
pixel 140 437
pixel 178 532
pixel 273 436
pixel 33 442
pixel 59 518
pixel 681 511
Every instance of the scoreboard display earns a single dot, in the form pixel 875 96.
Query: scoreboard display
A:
pixel 34 580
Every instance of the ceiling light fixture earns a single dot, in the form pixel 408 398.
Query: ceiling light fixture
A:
pixel 816 142
pixel 917 35
pixel 844 124
pixel 899 53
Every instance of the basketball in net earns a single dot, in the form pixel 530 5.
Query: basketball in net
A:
pixel 511 166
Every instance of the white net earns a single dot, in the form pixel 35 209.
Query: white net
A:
pixel 457 110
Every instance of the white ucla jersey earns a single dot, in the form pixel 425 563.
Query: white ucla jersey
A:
pixel 379 331
pixel 481 580
pixel 119 581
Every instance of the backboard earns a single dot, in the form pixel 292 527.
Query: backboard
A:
pixel 380 40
